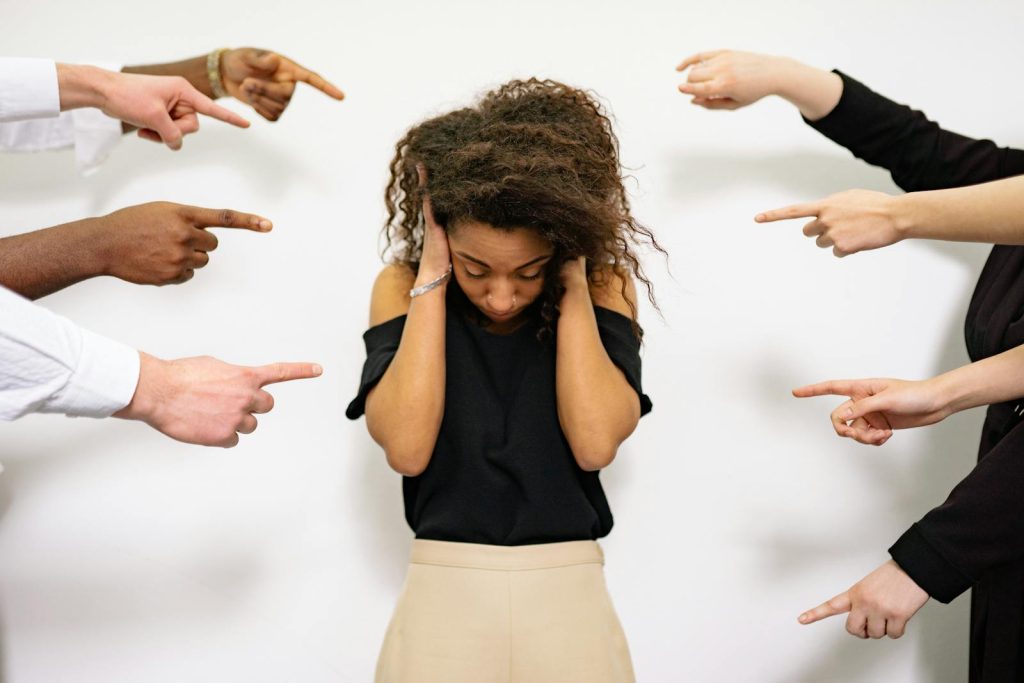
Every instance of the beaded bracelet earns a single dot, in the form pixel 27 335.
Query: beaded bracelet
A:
pixel 213 72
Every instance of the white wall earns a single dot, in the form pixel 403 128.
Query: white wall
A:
pixel 126 557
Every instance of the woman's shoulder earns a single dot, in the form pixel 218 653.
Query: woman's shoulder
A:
pixel 613 288
pixel 390 297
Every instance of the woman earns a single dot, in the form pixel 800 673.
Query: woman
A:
pixel 502 374
pixel 976 538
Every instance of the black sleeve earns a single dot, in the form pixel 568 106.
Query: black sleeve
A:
pixel 917 152
pixel 623 348
pixel 381 345
pixel 980 526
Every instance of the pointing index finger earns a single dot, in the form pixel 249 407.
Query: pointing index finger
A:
pixel 227 218
pixel 286 372
pixel 204 105
pixel 838 605
pixel 835 387
pixel 317 81
pixel 787 212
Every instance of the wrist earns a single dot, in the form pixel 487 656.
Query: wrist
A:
pixel 81 86
pixel 146 400
pixel 951 392
pixel 815 92
pixel 906 212
pixel 90 241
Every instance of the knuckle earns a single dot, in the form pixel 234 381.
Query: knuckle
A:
pixel 227 216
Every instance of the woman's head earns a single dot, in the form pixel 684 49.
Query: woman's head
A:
pixel 524 180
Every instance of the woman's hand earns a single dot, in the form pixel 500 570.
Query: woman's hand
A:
pixel 850 221
pixel 574 275
pixel 266 80
pixel 436 258
pixel 878 406
pixel 729 79
pixel 879 605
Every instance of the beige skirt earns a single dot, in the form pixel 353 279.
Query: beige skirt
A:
pixel 515 614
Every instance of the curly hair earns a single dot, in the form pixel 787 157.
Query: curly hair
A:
pixel 534 154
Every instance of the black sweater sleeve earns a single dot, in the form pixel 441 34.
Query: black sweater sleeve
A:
pixel 981 524
pixel 916 151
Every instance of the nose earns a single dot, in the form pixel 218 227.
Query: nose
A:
pixel 501 298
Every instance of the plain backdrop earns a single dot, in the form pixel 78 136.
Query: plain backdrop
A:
pixel 127 557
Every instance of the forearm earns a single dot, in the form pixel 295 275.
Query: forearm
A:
pixel 193 70
pixel 597 408
pixel 992 380
pixel 991 213
pixel 815 92
pixel 39 263
pixel 404 410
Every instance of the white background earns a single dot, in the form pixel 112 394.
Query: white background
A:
pixel 126 557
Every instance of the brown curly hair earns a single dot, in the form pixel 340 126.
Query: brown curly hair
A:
pixel 532 154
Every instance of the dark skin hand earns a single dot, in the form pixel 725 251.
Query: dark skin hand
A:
pixel 263 79
pixel 159 243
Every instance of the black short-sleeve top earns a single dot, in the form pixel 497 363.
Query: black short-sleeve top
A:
pixel 502 472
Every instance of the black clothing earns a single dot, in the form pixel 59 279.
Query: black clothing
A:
pixel 975 538
pixel 502 472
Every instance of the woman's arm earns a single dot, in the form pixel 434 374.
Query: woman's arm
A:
pixel 404 410
pixel 919 154
pixel 597 407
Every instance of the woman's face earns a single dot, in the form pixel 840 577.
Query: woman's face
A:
pixel 501 271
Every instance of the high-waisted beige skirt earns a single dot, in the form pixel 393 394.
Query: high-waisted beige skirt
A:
pixel 522 614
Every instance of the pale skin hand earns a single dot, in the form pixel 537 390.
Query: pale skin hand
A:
pixel 266 80
pixel 730 79
pixel 848 222
pixel 878 406
pixel 162 107
pixel 155 244
pixel 205 401
pixel 878 605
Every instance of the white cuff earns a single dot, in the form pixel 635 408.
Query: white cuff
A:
pixel 28 89
pixel 103 382
pixel 95 135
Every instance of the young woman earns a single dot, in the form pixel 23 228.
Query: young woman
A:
pixel 976 538
pixel 502 374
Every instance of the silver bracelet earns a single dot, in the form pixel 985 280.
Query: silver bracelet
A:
pixel 433 284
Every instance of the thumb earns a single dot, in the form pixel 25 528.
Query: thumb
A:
pixel 840 604
pixel 879 403
pixel 167 130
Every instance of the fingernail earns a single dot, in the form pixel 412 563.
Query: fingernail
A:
pixel 803 618
pixel 759 217
pixel 265 224
pixel 317 370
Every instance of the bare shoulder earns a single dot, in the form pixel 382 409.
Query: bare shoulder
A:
pixel 613 288
pixel 390 297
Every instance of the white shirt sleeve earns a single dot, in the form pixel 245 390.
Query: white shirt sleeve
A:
pixel 29 91
pixel 50 365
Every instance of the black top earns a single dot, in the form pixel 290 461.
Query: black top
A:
pixel 977 536
pixel 502 472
